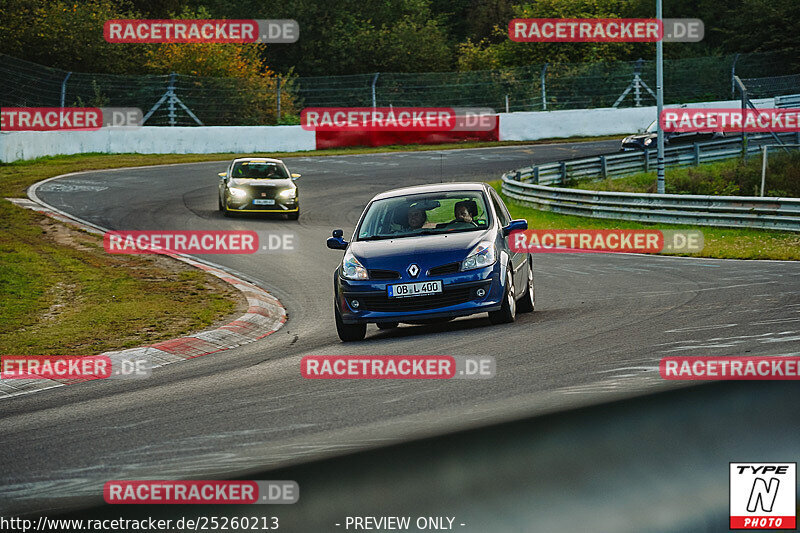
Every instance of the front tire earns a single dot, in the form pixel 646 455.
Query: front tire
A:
pixel 349 332
pixel 508 311
pixel 528 300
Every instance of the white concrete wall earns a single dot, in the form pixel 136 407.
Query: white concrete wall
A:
pixel 524 126
pixel 535 125
pixel 20 145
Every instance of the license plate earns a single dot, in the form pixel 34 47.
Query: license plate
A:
pixel 260 201
pixel 419 288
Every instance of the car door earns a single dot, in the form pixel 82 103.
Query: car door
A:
pixel 517 259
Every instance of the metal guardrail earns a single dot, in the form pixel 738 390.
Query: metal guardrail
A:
pixel 627 163
pixel 788 101
pixel 527 186
pixel 727 211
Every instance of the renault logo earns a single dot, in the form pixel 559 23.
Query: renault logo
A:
pixel 413 270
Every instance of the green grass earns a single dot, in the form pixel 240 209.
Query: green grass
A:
pixel 62 294
pixel 732 177
pixel 18 176
pixel 724 243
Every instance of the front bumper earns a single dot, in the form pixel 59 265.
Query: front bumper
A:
pixel 247 206
pixel 630 146
pixel 459 297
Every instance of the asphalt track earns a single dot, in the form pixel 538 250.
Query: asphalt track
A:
pixel 601 324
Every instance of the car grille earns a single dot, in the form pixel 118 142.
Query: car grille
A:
pixel 416 303
pixel 262 192
pixel 383 274
pixel 449 268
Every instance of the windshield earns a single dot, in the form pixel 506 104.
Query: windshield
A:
pixel 424 214
pixel 259 170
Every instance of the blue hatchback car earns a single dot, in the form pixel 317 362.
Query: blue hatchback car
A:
pixel 430 253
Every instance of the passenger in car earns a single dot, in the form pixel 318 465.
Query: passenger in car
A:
pixel 416 218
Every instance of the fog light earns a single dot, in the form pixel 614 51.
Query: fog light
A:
pixel 354 304
pixel 481 293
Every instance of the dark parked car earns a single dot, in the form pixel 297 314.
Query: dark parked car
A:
pixel 430 253
pixel 258 185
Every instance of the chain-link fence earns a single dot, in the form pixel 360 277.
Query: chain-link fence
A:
pixel 772 86
pixel 171 100
pixel 188 100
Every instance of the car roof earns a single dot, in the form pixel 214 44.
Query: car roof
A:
pixel 433 187
pixel 257 159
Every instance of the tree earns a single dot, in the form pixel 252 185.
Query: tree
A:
pixel 68 35
pixel 227 80
pixel 505 52
pixel 351 36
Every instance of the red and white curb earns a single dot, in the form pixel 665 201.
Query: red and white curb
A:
pixel 265 315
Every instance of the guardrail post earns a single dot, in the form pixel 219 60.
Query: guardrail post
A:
pixel 733 76
pixel 603 167
pixel 518 176
pixel 646 160
pixel 696 154
pixel 374 81
pixel 64 88
pixel 563 172
pixel 536 175
pixel 544 91
pixel 743 90
pixel 278 100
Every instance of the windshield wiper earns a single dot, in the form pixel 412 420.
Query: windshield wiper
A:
pixel 461 230
pixel 377 237
pixel 418 233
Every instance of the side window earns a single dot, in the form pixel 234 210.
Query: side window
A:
pixel 500 209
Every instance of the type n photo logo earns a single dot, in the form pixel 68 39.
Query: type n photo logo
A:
pixel 763 495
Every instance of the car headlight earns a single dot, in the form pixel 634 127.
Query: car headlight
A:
pixel 237 193
pixel 648 142
pixel 288 193
pixel 482 256
pixel 352 267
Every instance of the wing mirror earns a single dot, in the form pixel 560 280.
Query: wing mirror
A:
pixel 515 225
pixel 295 176
pixel 336 242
